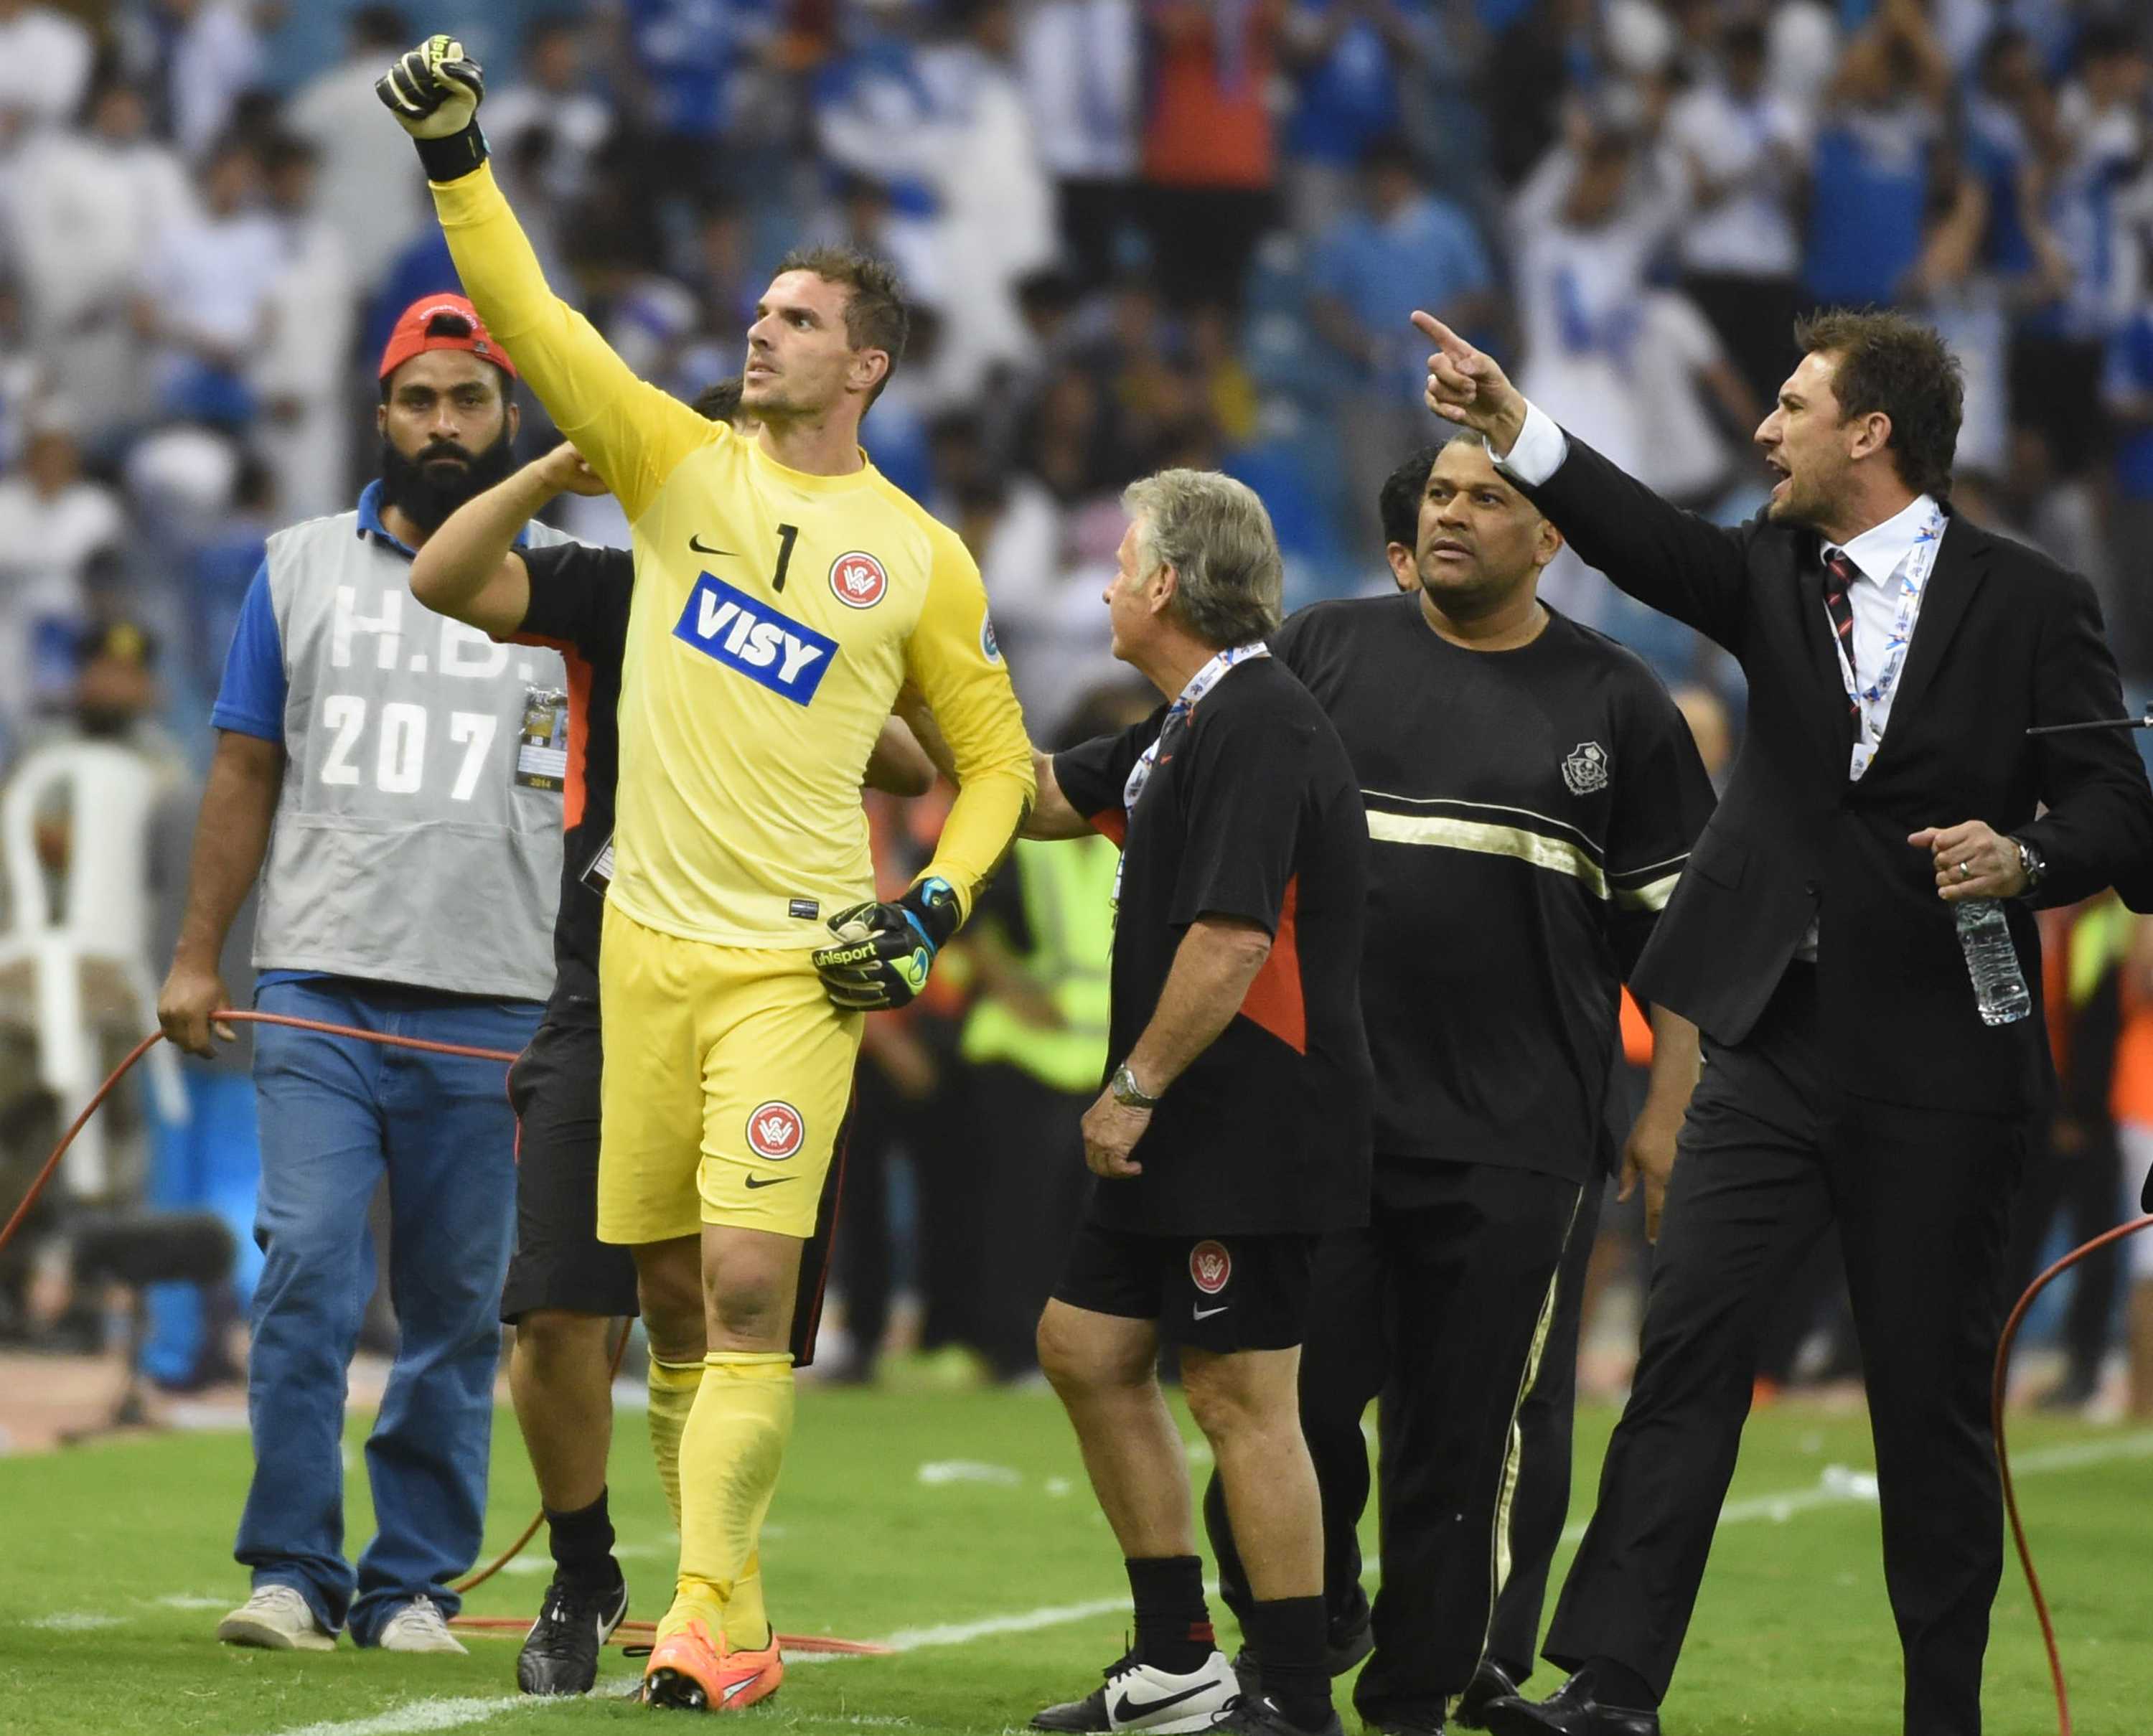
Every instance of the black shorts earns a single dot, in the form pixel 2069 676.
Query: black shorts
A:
pixel 559 1261
pixel 1220 1294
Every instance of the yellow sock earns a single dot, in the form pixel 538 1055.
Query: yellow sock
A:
pixel 672 1395
pixel 731 1454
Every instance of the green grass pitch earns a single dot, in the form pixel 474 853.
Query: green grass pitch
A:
pixel 959 1527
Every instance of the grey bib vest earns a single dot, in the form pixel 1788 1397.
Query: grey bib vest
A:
pixel 418 837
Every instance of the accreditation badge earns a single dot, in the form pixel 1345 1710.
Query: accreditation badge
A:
pixel 542 745
pixel 599 876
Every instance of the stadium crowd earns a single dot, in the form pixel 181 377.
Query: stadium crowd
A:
pixel 1139 233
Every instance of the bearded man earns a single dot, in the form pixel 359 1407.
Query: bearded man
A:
pixel 402 776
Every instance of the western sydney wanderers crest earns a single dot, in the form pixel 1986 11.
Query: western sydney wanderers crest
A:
pixel 858 580
pixel 775 1131
pixel 1585 769
pixel 1209 1266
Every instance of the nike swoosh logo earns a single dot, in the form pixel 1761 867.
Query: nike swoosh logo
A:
pixel 1131 1710
pixel 703 548
pixel 770 1181
pixel 1206 1313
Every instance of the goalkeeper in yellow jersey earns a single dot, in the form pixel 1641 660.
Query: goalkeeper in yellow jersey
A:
pixel 784 592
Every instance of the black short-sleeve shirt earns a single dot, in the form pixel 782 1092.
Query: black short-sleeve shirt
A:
pixel 579 601
pixel 1529 814
pixel 1251 813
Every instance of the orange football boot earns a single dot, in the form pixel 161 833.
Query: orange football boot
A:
pixel 689 1669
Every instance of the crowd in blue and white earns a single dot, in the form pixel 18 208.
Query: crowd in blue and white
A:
pixel 1625 199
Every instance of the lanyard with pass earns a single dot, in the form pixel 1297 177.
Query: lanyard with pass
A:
pixel 1200 684
pixel 1913 579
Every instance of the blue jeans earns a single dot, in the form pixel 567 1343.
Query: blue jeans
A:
pixel 337 1116
pixel 211 1161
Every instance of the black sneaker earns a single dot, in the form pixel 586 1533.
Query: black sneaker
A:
pixel 1258 1715
pixel 560 1654
pixel 1135 1695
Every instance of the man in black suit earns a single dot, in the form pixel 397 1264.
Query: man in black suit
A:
pixel 1896 657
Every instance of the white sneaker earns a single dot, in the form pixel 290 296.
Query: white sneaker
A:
pixel 1136 1696
pixel 278 1619
pixel 419 1627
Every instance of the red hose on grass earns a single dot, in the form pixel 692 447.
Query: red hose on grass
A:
pixel 798 1643
pixel 2003 1457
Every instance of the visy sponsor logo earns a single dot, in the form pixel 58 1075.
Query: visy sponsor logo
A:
pixel 754 639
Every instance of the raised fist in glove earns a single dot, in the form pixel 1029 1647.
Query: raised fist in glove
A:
pixel 434 92
pixel 884 952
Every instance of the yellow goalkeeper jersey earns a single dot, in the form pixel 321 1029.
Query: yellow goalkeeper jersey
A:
pixel 775 617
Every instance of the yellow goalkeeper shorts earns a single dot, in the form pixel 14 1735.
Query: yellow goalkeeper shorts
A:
pixel 727 1073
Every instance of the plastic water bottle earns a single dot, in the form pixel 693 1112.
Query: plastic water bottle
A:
pixel 1999 986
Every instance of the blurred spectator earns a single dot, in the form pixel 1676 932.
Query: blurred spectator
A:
pixel 996 205
pixel 2127 397
pixel 874 119
pixel 1081 68
pixel 55 526
pixel 1869 169
pixel 298 371
pixel 1742 149
pixel 1210 165
pixel 196 56
pixel 555 98
pixel 88 207
pixel 689 59
pixel 1542 53
pixel 1696 405
pixel 1345 57
pixel 2084 145
pixel 45 59
pixel 1587 225
pixel 372 191
pixel 206 291
pixel 2133 1105
pixel 1404 248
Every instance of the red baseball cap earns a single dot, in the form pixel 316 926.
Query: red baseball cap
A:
pixel 441 321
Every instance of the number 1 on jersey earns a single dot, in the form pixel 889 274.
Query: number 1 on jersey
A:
pixel 785 535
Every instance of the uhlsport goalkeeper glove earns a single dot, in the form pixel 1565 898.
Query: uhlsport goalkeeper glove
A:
pixel 434 92
pixel 884 952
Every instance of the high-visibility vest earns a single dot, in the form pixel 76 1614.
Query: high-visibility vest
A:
pixel 1068 890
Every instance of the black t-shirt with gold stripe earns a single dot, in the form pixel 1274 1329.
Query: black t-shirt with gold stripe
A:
pixel 1529 812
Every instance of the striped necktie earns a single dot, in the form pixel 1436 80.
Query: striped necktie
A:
pixel 1840 574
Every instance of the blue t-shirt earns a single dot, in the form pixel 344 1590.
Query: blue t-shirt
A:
pixel 1427 255
pixel 1871 173
pixel 2130 371
pixel 1346 100
pixel 687 51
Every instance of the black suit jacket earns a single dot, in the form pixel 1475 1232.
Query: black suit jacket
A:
pixel 2005 639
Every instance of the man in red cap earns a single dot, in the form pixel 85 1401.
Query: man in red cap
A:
pixel 394 777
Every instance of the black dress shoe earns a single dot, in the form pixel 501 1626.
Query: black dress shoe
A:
pixel 1571 1711
pixel 1490 1682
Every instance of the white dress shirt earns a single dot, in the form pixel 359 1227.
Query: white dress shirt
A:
pixel 1878 553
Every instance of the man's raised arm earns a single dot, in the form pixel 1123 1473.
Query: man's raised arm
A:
pixel 1674 561
pixel 632 433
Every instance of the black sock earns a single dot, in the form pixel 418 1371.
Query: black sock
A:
pixel 1289 1634
pixel 1173 1623
pixel 582 1545
pixel 1616 1684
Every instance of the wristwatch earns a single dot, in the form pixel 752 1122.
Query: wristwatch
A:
pixel 1127 1093
pixel 2031 860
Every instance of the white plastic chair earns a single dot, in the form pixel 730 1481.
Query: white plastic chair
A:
pixel 106 923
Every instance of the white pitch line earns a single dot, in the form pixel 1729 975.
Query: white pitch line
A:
pixel 420 1716
pixel 416 1715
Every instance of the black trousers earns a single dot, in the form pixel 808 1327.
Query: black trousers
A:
pixel 1031 1198
pixel 1546 1422
pixel 1441 1307
pixel 1772 1156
